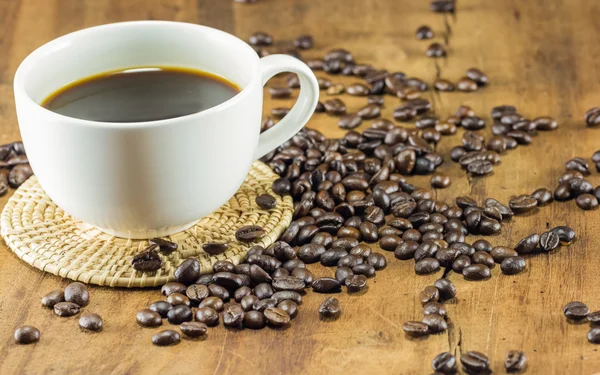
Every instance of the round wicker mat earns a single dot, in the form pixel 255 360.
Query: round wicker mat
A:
pixel 48 238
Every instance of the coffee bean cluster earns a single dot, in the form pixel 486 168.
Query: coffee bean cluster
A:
pixel 509 130
pixel 577 312
pixel 574 185
pixel 434 312
pixel 14 166
pixel 149 260
pixel 476 363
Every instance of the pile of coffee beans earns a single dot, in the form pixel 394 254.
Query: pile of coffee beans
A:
pixel 577 312
pixel 14 166
pixel 434 312
pixel 573 184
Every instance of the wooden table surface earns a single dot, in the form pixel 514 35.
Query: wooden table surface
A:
pixel 540 56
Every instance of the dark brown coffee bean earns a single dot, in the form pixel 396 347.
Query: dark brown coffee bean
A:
pixel 499 253
pixel 349 121
pixel 480 167
pixel 563 192
pixel 280 92
pixel 549 241
pixel 254 320
pixel 179 314
pixel 528 244
pixel 513 265
pixel 148 318
pixel 233 316
pixel 281 186
pixel 148 260
pixel 218 291
pixel 337 88
pixel 579 165
pixel 415 329
pixel 424 32
pixel 592 117
pixel 406 250
pixel 476 272
pixel 52 298
pixel 436 308
pixel 460 263
pixel 304 42
pixel 214 303
pixel 435 323
pixel 444 363
pixel 250 233
pixel 193 329
pixel 161 307
pixel 576 310
pixel 594 318
pixel 177 299
pixel 26 335
pixel 466 84
pixel 326 285
pixel 478 76
pixel 207 315
pixel 355 283
pixel 587 202
pixel 515 361
pixel 289 307
pixel 358 89
pixel 369 111
pixel 565 234
pixel 261 39
pixel 543 196
pixel 429 294
pixel 172 287
pixel 166 338
pixel 188 271
pixel 91 322
pixel 276 316
pixel 446 289
pixel 19 174
pixel 442 6
pixel 77 293
pixel 266 201
pixel 404 113
pixel 335 107
pixel 242 292
pixel 165 246
pixel 311 253
pixel 481 257
pixel 427 266
pixel 330 308
pixel 475 362
pixel 522 204
pixel 435 50
pixel 288 283
pixel 440 181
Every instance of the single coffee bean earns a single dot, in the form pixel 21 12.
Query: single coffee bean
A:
pixel 250 233
pixel 335 107
pixel 481 257
pixel 26 335
pixel 515 361
pixel 406 250
pixel 52 298
pixel 193 329
pixel 91 322
pixel 476 272
pixel 434 308
pixel 337 88
pixel 466 84
pixel 480 167
pixel 579 165
pixel 161 307
pixel 358 89
pixel 260 38
pixel 342 273
pixel 594 318
pixel 563 192
pixel 543 196
pixel 148 318
pixel 218 291
pixel 446 289
pixel 415 329
pixel 435 323
pixel 165 246
pixel 593 335
pixel 223 266
pixel 565 234
pixel 326 285
pixel 233 316
pixel 355 283
pixel 289 307
pixel 148 260
pixel 19 174
pixel 266 201
pixel 592 117
pixel 208 316
pixel 369 111
pixel 172 287
pixel 254 320
pixel 179 314
pixel 513 265
pixel 188 271
pixel 549 241
pixel 427 266
pixel 280 92
pixel 475 362
pixel 177 299
pixel 65 309
pixel 440 181
pixel 330 308
pixel 166 338
pixel 478 76
pixel 424 32
pixel 444 363
pixel 499 253
pixel 528 244
pixel 587 202
pixel 377 261
pixel 435 50
pixel 576 310
pixel 522 204
pixel 288 283
pixel 349 121
pixel 287 295
pixel 281 186
pixel 276 317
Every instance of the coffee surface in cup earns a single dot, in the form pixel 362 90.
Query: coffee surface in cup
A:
pixel 141 94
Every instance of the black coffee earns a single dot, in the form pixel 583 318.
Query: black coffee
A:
pixel 141 94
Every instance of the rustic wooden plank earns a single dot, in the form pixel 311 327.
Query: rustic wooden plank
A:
pixel 540 57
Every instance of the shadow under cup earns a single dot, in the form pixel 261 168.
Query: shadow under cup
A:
pixel 144 179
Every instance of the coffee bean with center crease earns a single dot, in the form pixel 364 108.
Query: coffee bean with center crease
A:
pixel 288 283
pixel 476 272
pixel 435 323
pixel 26 335
pixel 148 260
pixel 52 298
pixel 522 204
pixel 592 117
pixel 193 329
pixel 475 362
pixel 355 283
pixel 515 361
pixel 164 245
pixel 528 244
pixel 576 310
pixel 415 329
pixel 549 241
pixel 188 271
pixel 444 363
pixel 91 322
pixel 166 338
pixel 330 308
pixel 404 113
pixel 429 294
pixel 335 107
pixel 543 196
pixel 19 174
pixel 233 316
pixel 266 201
pixel 250 233
pixel 65 309
pixel 565 234
pixel 587 202
pixel 276 316
pixel 513 265
pixel 326 285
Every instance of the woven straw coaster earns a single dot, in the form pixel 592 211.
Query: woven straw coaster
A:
pixel 49 239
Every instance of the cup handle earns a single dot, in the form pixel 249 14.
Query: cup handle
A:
pixel 300 112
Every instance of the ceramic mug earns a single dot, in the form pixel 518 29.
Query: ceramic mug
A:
pixel 147 179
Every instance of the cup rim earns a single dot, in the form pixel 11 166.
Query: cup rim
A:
pixel 19 79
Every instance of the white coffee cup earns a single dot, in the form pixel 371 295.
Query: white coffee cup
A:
pixel 147 179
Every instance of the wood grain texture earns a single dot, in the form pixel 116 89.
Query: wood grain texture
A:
pixel 540 56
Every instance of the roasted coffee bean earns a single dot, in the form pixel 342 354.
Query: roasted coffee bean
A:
pixel 304 42
pixel 472 123
pixel 218 291
pixel 310 253
pixel 587 202
pixel 148 260
pixel 266 201
pixel 427 266
pixel 249 233
pixel 335 107
pixel 207 315
pixel 196 293
pixel 475 362
pixel 435 323
pixel 77 293
pixel 444 363
pixel 288 283
pixel 52 298
pixel 549 241
pixel 331 257
pixel 349 121
pixel 435 50
pixel 528 244
pixel 330 308
pixel 148 318
pixel 424 32
pixel 522 204
pixel 214 248
pixel 565 234
pixel 214 303
pixel 480 167
pixel 164 245
pixel 248 301
pixel 254 320
pixel 563 192
pixel 233 316
pixel 440 181
pixel 372 99
pixel 429 294
pixel 434 308
pixel 280 112
pixel 593 335
pixel 415 329
pixel 592 117
pixel 441 84
pixel 166 338
pixel 466 84
pixel 364 269
pixel 406 250
pixel 326 285
pixel 179 314
pixel 355 283
pixel 476 272
pixel 543 196
pixel 460 263
pixel 357 89
pixel 515 361
pixel 19 174
pixel 342 273
pixel 193 329
pixel 188 271
pixel 513 265
pixel 177 299
pixel 594 318
pixel 242 292
pixel 446 289
pixel 369 111
pixel 91 322
pixel 576 310
pixel 478 76
pixel 404 113
pixel 481 257
pixel 337 88
pixel 280 92
pixel 281 186
pixel 261 39
pixel 161 307
pixel 289 307
pixel 499 253
pixel 276 317
pixel 579 165
pixel 26 335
